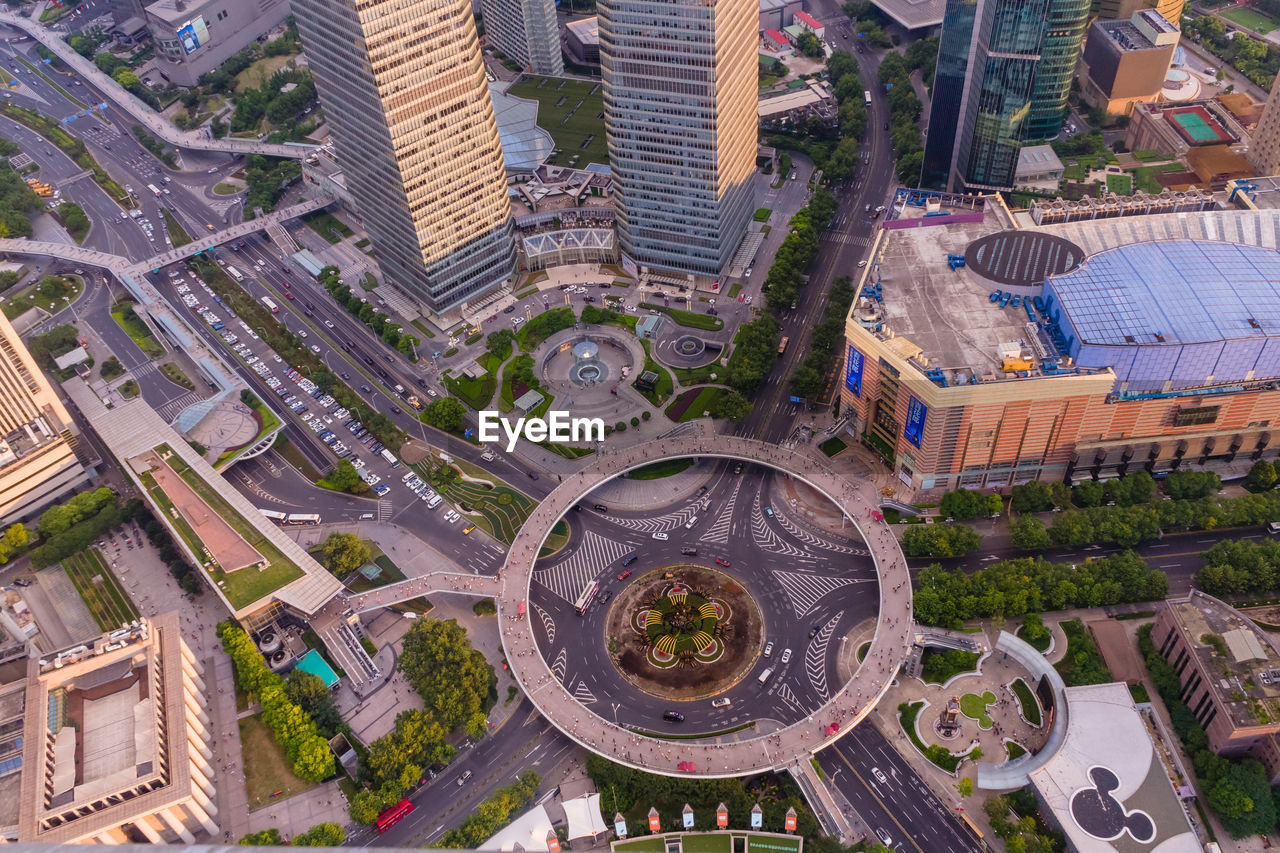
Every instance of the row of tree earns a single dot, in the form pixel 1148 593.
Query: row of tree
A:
pixel 1241 567
pixel 494 813
pixel 1235 789
pixel 291 726
pixel 320 835
pixel 824 342
pixel 82 533
pixel 158 535
pixel 363 310
pixel 940 540
pixel 1012 588
pixel 842 70
pixel 904 116
pixel 1254 58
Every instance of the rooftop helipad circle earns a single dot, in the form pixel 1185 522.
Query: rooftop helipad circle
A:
pixel 1021 258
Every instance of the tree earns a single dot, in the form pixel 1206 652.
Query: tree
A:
pixel 1028 533
pixel 1262 476
pixel 263 838
pixel 1032 497
pixel 965 787
pixel 445 414
pixel 731 406
pixel 940 540
pixel 343 553
pixel 499 343
pixel 126 78
pixel 809 45
pixel 963 505
pixel 345 478
pixel 1190 485
pixel 308 692
pixel 452 678
pixel 321 835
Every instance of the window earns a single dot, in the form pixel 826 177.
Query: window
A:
pixel 1195 415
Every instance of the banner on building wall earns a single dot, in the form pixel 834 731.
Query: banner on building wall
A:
pixel 916 414
pixel 629 266
pixel 193 35
pixel 853 371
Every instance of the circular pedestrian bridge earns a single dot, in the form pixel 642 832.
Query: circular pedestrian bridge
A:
pixel 709 756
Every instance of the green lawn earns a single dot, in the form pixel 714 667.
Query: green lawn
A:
pixel 706 843
pixel 136 329
pixel 226 189
pixel 500 510
pixel 642 845
pixel 1015 750
pixel 658 470
pixel 1250 19
pixel 1120 184
pixel 177 234
pixel 704 401
pixel 663 387
pixel 974 707
pixel 100 589
pixel 175 375
pixel 30 297
pixel 326 224
pixel 267 772
pixel 1075 171
pixel 688 319
pixel 572 113
pixel 1027 701
pixel 832 446
pixel 1145 176
pixel 762 214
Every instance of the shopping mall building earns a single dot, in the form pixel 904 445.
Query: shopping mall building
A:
pixel 987 350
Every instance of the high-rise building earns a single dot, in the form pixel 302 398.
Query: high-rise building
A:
pixel 1064 26
pixel 405 89
pixel 1125 62
pixel 680 82
pixel 38 439
pixel 1264 148
pixel 526 31
pixel 1115 10
pixel 1005 67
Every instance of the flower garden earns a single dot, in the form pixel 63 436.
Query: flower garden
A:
pixel 682 626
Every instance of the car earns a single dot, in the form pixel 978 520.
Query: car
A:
pixel 21 582
pixel 328 324
pixel 813 632
pixel 689 551
pixel 721 561
pixel 345 375
pixel 879 774
pixel 673 716
pixel 768 649
pixel 462 780
pixel 768 511
pixel 886 125
pixel 604 598
pixel 737 468
pixel 661 537
pixel 366 389
pixel 786 656
pixel 862 263
pixel 508 309
pixel 532 475
pixel 600 508
pixel 468 529
pixel 395 410
pixel 885 837
pixel 722 702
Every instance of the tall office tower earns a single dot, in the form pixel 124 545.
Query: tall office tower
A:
pixel 404 85
pixel 1114 10
pixel 990 50
pixel 38 459
pixel 1264 147
pixel 680 83
pixel 526 31
pixel 1064 29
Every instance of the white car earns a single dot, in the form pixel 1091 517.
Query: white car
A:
pixel 723 702
pixel 879 774
pixel 661 537
pixel 786 656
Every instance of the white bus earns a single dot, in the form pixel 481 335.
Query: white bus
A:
pixel 155 190
pixel 584 599
pixel 271 303
pixel 302 518
pixel 277 517
pixel 390 458
pixel 235 273
pixel 866 94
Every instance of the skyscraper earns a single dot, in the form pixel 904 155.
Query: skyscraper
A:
pixel 1264 148
pixel 526 31
pixel 1114 10
pixel 1004 72
pixel 405 88
pixel 680 83
pixel 38 461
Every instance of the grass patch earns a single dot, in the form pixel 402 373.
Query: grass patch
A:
pixel 667 736
pixel 941 756
pixel 35 296
pixel 1145 176
pixel 939 667
pixel 1027 703
pixel 713 372
pixel 499 509
pixel 762 214
pixel 707 842
pixel 101 590
pixel 175 375
pixel 658 470
pixel 267 771
pixel 125 316
pixel 735 289
pixel 974 706
pixel 643 845
pixel 692 403
pixel 832 446
pixel 328 226
pixel 572 111
pixel 1120 184
pixel 128 389
pixel 862 651
pixel 177 234
pixel 1250 19
pixel 226 189
pixel 1015 750
pixel 1139 693
pixel 688 319
pixel 294 457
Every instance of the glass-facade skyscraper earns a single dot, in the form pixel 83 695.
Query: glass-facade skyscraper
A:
pixel 1004 73
pixel 526 32
pixel 680 83
pixel 405 88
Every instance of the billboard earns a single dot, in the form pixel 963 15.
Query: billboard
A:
pixel 193 35
pixel 629 266
pixel 916 413
pixel 853 371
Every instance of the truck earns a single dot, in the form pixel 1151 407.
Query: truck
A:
pixel 389 457
pixel 399 389
pixel 413 400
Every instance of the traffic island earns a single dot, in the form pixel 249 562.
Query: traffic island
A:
pixel 684 632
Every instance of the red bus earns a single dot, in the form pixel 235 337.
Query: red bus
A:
pixel 393 815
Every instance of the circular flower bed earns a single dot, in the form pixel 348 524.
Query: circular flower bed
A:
pixel 681 623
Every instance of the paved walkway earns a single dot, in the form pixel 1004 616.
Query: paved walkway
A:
pixel 890 642
pixel 156 124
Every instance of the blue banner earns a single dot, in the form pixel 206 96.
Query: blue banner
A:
pixel 916 413
pixel 853 371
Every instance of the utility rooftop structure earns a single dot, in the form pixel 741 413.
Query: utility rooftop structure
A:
pixel 117 741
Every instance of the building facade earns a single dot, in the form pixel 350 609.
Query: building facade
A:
pixel 38 439
pixel 680 83
pixel 1125 62
pixel 526 32
pixel 1114 10
pixel 195 38
pixel 404 87
pixel 1064 26
pixel 582 40
pixel 1264 152
pixel 117 742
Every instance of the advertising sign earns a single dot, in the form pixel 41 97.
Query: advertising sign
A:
pixel 688 819
pixel 620 827
pixel 193 35
pixel 757 818
pixel 916 413
pixel 853 371
pixel 629 266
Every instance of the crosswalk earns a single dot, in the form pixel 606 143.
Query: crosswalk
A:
pixel 815 657
pixel 846 239
pixel 660 524
pixel 810 538
pixel 568 577
pixel 384 509
pixel 718 533
pixel 174 407
pixel 806 589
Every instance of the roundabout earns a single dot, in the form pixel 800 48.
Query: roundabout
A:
pixel 841 706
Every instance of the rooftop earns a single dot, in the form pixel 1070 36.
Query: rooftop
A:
pixel 1243 666
pixel 803 17
pixel 1126 37
pixel 1106 786
pixel 913 14
pixel 1180 292
pixel 586 30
